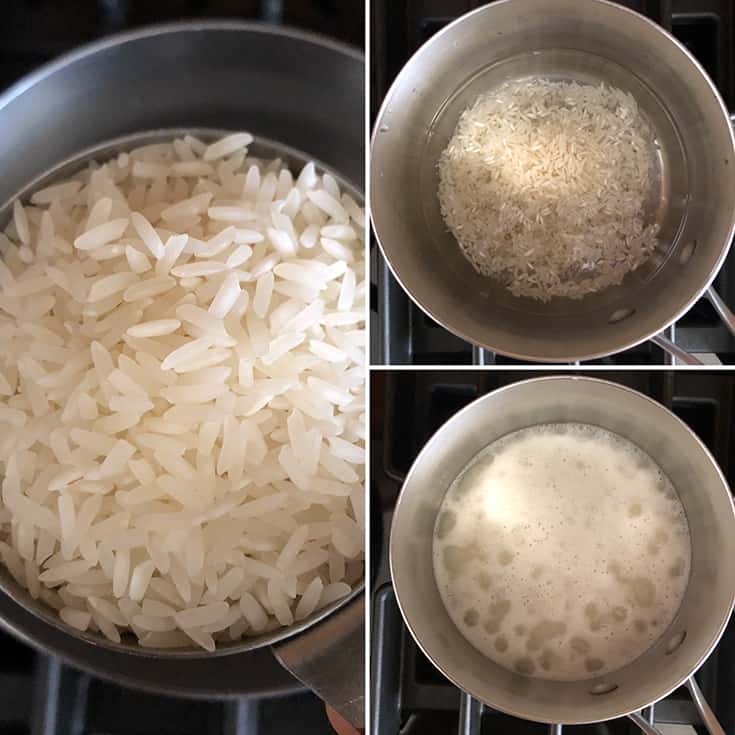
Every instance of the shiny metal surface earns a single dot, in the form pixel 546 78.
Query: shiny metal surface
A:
pixel 692 199
pixel 330 660
pixel 721 308
pixel 470 714
pixel 705 711
pixel 206 77
pixel 644 725
pixel 675 351
pixel 709 598
pixel 278 83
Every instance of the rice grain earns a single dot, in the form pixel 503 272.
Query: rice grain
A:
pixel 168 474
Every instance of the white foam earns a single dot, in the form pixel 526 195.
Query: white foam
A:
pixel 562 551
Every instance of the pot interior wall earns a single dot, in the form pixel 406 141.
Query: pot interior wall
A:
pixel 709 598
pixel 281 85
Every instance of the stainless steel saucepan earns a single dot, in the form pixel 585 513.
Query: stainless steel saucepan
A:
pixel 692 197
pixel 206 78
pixel 708 600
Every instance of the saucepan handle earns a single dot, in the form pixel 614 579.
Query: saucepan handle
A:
pixel 721 308
pixel 675 351
pixel 644 725
pixel 705 712
pixel 329 659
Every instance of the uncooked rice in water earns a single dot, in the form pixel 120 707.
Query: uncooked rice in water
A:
pixel 182 401
pixel 544 185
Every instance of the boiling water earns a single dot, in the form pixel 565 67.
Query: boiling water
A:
pixel 561 551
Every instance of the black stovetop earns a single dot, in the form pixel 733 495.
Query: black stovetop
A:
pixel 39 695
pixel 408 695
pixel 405 335
pixel 34 31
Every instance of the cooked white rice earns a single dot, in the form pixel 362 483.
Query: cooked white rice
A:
pixel 182 380
pixel 544 186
